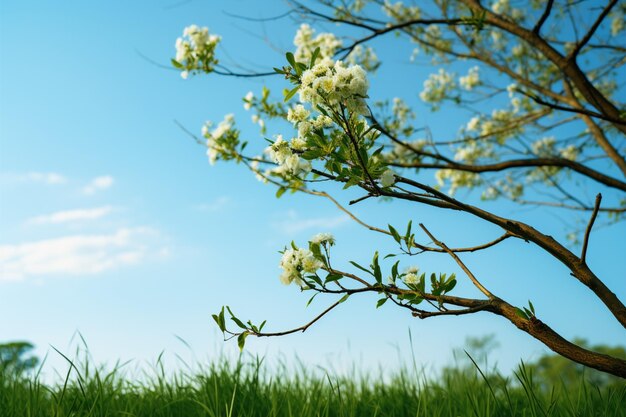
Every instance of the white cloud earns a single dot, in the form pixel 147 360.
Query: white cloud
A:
pixel 77 254
pixel 215 205
pixel 48 178
pixel 72 215
pixel 99 183
pixel 294 224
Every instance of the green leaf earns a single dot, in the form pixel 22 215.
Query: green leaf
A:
pixel 450 286
pixel 316 53
pixel 344 298
pixel 236 320
pixel 361 268
pixel 381 302
pixel 241 340
pixel 291 93
pixel 394 233
pixel 532 308
pixel 332 277
pixel 177 64
pixel 311 299
pixel 262 325
pixel 394 270
pixel 390 255
pixel 521 313
pixel 217 320
pixel 280 192
pixel 291 59
pixel 376 266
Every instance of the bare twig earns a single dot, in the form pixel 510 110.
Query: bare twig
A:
pixel 460 263
pixel 544 17
pixel 596 208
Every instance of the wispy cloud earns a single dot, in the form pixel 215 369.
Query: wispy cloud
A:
pixel 215 205
pixel 97 184
pixel 72 215
pixel 77 254
pixel 48 178
pixel 294 224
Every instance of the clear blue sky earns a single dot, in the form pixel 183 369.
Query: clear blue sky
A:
pixel 112 222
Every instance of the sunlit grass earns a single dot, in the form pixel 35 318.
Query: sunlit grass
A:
pixel 246 387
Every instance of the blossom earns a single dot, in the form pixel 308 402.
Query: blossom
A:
pixel 247 100
pixel 195 50
pixel 330 83
pixel 306 44
pixel 471 80
pixel 295 262
pixel 323 238
pixel 387 179
pixel 289 163
pixel 222 140
pixel 437 87
pixel 473 123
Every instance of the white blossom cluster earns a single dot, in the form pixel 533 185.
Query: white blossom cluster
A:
pixel 618 22
pixel 504 7
pixel 222 140
pixel 437 87
pixel 323 239
pixel 195 50
pixel 299 116
pixel 400 12
pixel 457 179
pixel 332 84
pixel 289 162
pixel 295 262
pixel 471 80
pixel 388 178
pixel 306 44
pixel 411 276
pixel 406 153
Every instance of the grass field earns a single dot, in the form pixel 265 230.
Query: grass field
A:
pixel 245 387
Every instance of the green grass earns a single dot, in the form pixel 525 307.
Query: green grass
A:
pixel 245 387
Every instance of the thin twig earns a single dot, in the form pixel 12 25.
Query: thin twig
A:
pixel 596 208
pixel 460 263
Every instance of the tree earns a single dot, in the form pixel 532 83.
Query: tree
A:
pixel 551 72
pixel 14 360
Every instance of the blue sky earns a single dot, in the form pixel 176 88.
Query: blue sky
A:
pixel 113 224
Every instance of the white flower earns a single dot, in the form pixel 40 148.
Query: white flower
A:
pixel 247 101
pixel 295 262
pixel 473 123
pixel 387 179
pixel 471 80
pixel 195 50
pixel 411 278
pixel 437 87
pixel 323 238
pixel 297 114
pixel 306 44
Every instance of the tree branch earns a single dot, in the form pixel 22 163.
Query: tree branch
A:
pixel 596 207
pixel 543 17
pixel 572 55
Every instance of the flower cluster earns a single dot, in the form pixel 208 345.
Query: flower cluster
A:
pixel 330 84
pixel 411 276
pixel 437 87
pixel 299 116
pixel 289 162
pixel 221 141
pixel 471 80
pixel 323 239
pixel 306 44
pixel 295 262
pixel 195 51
